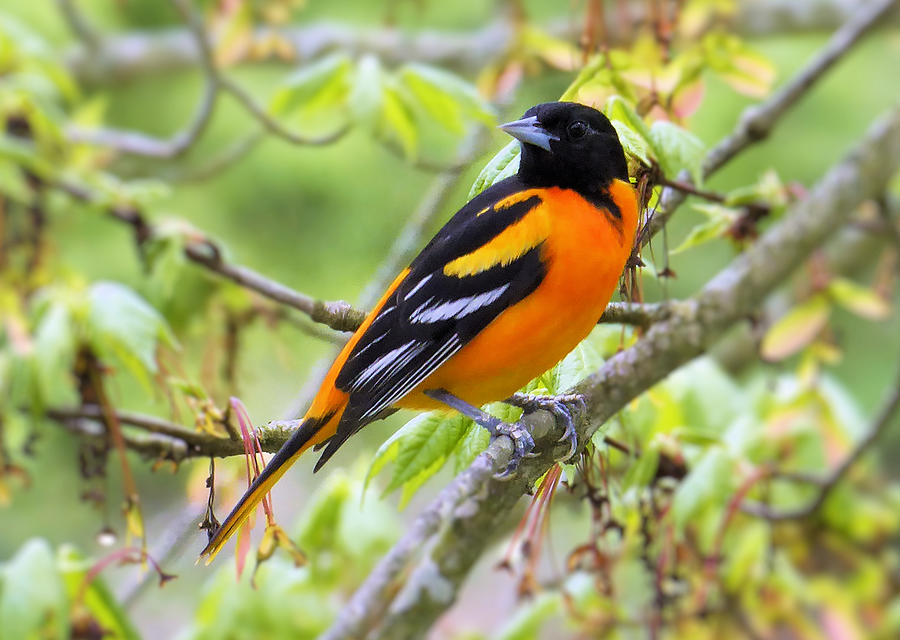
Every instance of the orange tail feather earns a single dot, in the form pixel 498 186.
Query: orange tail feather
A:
pixel 311 432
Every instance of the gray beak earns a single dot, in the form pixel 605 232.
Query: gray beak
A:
pixel 530 131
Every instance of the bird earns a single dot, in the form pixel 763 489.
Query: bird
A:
pixel 507 287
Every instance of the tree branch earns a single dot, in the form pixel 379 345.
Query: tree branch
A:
pixel 141 144
pixel 165 439
pixel 758 121
pixel 79 25
pixel 129 55
pixel 419 577
pixel 137 143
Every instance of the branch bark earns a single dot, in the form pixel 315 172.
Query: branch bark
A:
pixel 420 576
pixel 130 55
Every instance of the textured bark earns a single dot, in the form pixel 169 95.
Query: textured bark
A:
pixel 420 577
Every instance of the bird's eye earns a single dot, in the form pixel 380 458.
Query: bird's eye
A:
pixel 577 129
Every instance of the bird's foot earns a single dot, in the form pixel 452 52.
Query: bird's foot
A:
pixel 563 407
pixel 523 443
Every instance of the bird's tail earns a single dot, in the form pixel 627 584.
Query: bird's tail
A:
pixel 312 431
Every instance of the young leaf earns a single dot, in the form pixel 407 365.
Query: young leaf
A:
pixel 475 440
pixel 446 97
pixel 367 92
pixel 427 442
pixel 526 622
pixel 677 149
pixel 859 300
pixel 33 601
pixel 54 349
pixel 315 533
pixel 504 164
pixel 641 472
pixel 324 84
pixel 124 326
pixel 719 219
pixel 709 482
pixel 745 70
pixel 396 121
pixel 633 144
pixel 796 329
pixel 747 554
pixel 97 599
pixel 617 109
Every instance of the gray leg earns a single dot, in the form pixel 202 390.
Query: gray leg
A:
pixel 562 407
pixel 523 443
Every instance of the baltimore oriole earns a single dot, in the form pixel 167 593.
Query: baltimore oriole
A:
pixel 511 284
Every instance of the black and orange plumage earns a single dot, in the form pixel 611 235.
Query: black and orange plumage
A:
pixel 511 284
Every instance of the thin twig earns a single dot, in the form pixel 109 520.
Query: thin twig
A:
pixel 168 440
pixel 218 163
pixel 201 250
pixel 79 25
pixel 140 144
pixel 139 53
pixel 758 121
pixel 136 143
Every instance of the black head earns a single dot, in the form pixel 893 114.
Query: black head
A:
pixel 569 145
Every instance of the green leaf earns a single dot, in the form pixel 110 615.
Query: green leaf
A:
pixel 124 326
pixel 504 164
pixel 745 70
pixel 427 441
pixel 858 299
pixel 746 555
pixel 367 93
pixel 386 453
pixel 583 360
pixel 642 472
pixel 98 600
pixel 677 149
pixel 796 329
pixel 617 109
pixel 475 440
pixel 54 349
pixel 397 121
pixel 633 144
pixel 719 220
pixel 709 482
pixel 324 84
pixel 315 532
pixel 33 601
pixel 164 253
pixel 447 98
pixel 526 622
pixel 25 154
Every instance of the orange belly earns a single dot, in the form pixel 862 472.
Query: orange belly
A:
pixel 586 254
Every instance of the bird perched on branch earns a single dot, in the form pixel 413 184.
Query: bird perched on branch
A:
pixel 511 284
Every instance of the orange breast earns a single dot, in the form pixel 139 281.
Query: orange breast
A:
pixel 585 253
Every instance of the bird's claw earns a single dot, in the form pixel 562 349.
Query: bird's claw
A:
pixel 522 441
pixel 563 407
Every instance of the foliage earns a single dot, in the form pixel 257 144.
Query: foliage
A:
pixel 343 531
pixel 51 595
pixel 656 520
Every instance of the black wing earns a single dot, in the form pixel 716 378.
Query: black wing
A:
pixel 431 315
